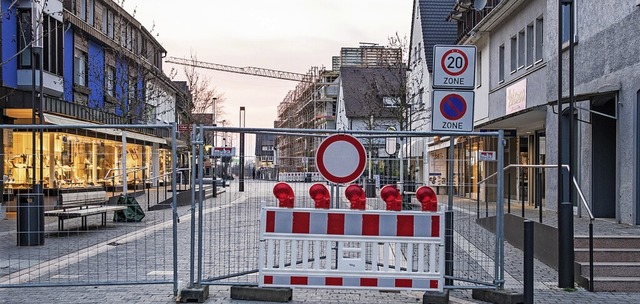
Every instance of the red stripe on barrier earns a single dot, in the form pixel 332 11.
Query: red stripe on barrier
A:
pixel 372 282
pixel 271 221
pixel 404 283
pixel 335 223
pixel 329 281
pixel 433 284
pixel 370 224
pixel 435 226
pixel 300 222
pixel 299 281
pixel 405 225
pixel 268 280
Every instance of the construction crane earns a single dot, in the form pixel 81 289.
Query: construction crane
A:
pixel 242 70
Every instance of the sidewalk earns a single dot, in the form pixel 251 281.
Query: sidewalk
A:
pixel 545 277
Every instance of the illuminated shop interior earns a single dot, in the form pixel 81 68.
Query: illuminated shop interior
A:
pixel 78 161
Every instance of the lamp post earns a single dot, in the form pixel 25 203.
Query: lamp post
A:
pixel 215 137
pixel 566 255
pixel 241 123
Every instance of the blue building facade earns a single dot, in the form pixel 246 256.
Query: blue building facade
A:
pixel 98 65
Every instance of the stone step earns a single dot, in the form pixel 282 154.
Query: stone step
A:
pixel 613 284
pixel 613 241
pixel 608 254
pixel 611 269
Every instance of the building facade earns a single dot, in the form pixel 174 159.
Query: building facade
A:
pixel 518 87
pixel 98 65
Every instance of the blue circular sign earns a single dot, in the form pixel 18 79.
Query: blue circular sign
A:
pixel 453 107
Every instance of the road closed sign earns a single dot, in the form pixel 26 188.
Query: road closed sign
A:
pixel 452 111
pixel 454 66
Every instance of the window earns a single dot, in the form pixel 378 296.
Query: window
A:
pixel 132 89
pixel 110 20
pixel 501 63
pixel 110 81
pixel 530 44
pixel 566 14
pixel 24 44
pixel 521 49
pixel 479 69
pixel 80 67
pixel 390 102
pixel 514 54
pixel 91 5
pixel 52 45
pixel 83 10
pixel 539 38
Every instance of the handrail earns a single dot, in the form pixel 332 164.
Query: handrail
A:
pixel 582 199
pixel 178 171
pixel 129 170
pixel 575 182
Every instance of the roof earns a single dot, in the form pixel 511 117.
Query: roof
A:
pixel 435 27
pixel 363 90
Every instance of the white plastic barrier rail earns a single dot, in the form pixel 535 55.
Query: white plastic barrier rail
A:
pixel 351 249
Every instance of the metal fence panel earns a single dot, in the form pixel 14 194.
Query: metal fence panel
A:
pixel 80 172
pixel 230 225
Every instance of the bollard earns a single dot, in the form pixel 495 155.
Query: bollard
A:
pixel 528 262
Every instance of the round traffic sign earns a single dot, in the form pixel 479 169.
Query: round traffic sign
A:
pixel 341 158
pixel 453 107
pixel 454 62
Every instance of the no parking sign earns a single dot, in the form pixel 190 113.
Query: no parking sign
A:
pixel 452 111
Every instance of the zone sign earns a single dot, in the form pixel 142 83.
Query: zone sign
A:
pixel 454 66
pixel 452 111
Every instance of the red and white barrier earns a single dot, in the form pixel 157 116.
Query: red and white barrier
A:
pixel 376 249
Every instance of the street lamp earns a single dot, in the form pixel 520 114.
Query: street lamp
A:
pixel 241 123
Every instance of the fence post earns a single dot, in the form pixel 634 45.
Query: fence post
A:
pixel 448 244
pixel 528 262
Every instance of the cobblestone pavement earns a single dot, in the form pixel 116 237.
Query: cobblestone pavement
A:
pixel 157 256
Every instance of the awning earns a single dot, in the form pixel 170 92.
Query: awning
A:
pixel 62 121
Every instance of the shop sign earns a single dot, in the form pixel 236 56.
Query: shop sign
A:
pixel 486 155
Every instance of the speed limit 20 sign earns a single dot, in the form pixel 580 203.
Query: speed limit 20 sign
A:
pixel 454 66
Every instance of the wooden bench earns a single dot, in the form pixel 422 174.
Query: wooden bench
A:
pixel 82 204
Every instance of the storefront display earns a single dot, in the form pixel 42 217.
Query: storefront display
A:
pixel 72 161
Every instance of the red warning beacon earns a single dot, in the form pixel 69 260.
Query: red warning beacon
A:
pixel 427 198
pixel 284 194
pixel 320 195
pixel 356 196
pixel 391 195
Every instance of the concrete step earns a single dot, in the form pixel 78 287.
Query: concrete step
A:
pixel 608 254
pixel 604 241
pixel 611 269
pixel 613 284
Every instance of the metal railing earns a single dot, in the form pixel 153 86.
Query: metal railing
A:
pixel 583 200
pixel 114 176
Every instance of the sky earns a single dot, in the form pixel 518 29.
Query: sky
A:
pixel 287 35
